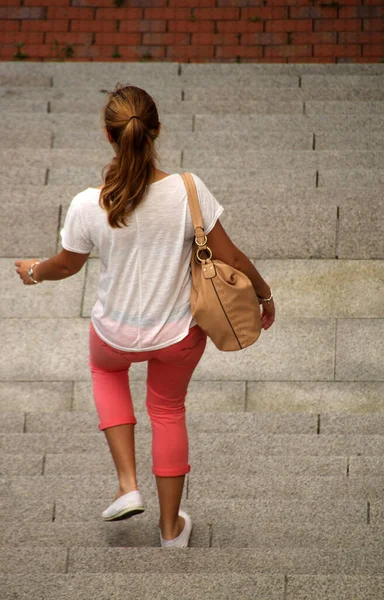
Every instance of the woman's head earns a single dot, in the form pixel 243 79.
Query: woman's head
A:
pixel 126 178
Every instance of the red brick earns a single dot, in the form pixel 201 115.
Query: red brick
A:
pixel 45 25
pixel 336 50
pixel 314 12
pixel 165 39
pixel 46 2
pixel 7 51
pixel 139 52
pixel 127 39
pixel 24 12
pixel 264 39
pixel 217 14
pixel 94 51
pixel 69 38
pixel 372 25
pixel 13 2
pixel 94 26
pixel 314 38
pixel 192 26
pixel 13 37
pixel 69 13
pixel 189 52
pixel 11 25
pixel 39 51
pixel 191 3
pixel 241 51
pixel 144 26
pixel 238 26
pixel 337 25
pixel 310 59
pixel 237 3
pixel 361 37
pixel 373 50
pixel 288 25
pixel 215 39
pixel 287 50
pixel 167 13
pixel 274 12
pixel 110 14
pixel 362 12
pixel 92 3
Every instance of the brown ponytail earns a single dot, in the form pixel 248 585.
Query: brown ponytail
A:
pixel 126 178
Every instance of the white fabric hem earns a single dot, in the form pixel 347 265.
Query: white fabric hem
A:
pixel 66 247
pixel 158 347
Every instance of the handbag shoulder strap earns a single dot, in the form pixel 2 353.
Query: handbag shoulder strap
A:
pixel 194 207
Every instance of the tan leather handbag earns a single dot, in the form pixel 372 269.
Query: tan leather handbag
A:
pixel 223 301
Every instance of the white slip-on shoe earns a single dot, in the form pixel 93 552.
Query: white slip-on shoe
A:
pixel 182 540
pixel 124 507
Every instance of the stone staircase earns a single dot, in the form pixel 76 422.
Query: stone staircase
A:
pixel 287 437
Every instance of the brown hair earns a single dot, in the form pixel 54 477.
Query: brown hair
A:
pixel 127 176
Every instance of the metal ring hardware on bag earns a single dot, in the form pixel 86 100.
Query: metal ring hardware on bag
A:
pixel 204 243
pixel 203 250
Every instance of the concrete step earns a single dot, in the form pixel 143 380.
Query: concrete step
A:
pixel 271 397
pixel 27 560
pixel 231 532
pixel 163 587
pixel 229 448
pixel 208 422
pixel 291 151
pixel 277 356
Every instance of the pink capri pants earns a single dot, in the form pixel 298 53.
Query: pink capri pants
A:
pixel 169 372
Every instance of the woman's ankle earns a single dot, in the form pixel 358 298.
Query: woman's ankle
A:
pixel 170 531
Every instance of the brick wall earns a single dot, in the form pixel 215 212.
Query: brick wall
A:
pixel 264 31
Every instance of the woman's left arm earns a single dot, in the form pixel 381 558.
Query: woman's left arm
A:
pixel 60 266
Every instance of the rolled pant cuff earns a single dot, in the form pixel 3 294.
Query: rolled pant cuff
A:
pixel 172 472
pixel 107 424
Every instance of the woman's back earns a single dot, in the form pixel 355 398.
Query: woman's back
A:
pixel 143 299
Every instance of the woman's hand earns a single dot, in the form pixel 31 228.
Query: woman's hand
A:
pixel 23 267
pixel 268 314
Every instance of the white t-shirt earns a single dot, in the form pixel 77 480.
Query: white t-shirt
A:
pixel 143 296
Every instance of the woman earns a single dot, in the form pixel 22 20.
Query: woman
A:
pixel 140 222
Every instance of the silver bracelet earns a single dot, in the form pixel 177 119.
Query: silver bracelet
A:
pixel 30 272
pixel 266 299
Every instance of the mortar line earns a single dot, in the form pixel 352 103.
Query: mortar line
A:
pixel 246 397
pixel 43 465
pixel 317 179
pixel 83 290
pixel 52 140
pixel 318 424
pixel 347 466
pixel 285 592
pixel 210 534
pixel 368 512
pixel 334 357
pixel 66 568
pixel 314 141
pixel 181 159
pixel 193 122
pixel 187 488
pixel 25 423
pixel 179 70
pixel 72 396
pixel 337 231
pixel 46 177
pixel 54 511
pixel 58 227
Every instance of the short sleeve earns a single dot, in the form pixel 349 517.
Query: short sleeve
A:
pixel 74 236
pixel 210 208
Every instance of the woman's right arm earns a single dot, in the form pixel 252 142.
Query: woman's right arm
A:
pixel 224 249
